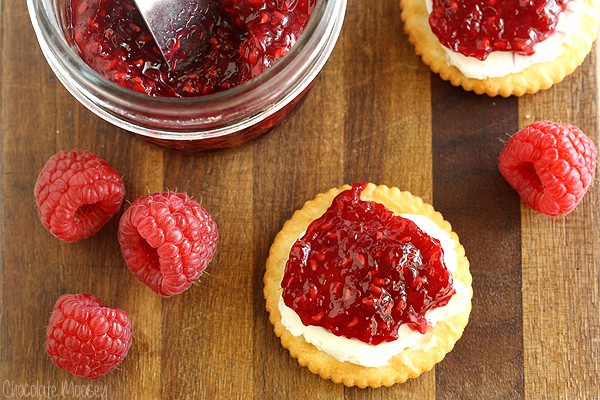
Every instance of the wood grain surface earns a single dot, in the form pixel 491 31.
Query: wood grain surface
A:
pixel 375 113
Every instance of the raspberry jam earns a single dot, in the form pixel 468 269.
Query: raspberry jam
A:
pixel 477 27
pixel 362 271
pixel 241 40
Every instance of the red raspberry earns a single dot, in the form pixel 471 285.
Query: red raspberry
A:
pixel 76 194
pixel 85 338
pixel 167 240
pixel 550 165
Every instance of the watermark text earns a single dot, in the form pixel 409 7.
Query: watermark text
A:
pixel 50 390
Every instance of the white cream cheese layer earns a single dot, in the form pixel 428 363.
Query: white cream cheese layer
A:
pixel 368 355
pixel 502 63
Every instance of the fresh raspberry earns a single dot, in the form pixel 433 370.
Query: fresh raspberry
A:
pixel 551 165
pixel 85 338
pixel 76 194
pixel 167 240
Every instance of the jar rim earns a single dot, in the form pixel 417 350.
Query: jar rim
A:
pixel 289 76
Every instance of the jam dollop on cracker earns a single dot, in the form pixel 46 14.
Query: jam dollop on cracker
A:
pixel 361 271
pixel 476 28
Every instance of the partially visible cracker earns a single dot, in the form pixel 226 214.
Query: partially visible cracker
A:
pixel 408 364
pixel 531 80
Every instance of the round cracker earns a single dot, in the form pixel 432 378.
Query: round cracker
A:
pixel 405 365
pixel 531 80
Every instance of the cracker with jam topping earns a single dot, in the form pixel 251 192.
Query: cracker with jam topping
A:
pixel 536 77
pixel 399 272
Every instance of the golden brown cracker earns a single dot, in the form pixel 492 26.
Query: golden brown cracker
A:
pixel 531 80
pixel 408 364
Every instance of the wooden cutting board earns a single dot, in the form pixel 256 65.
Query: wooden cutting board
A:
pixel 375 113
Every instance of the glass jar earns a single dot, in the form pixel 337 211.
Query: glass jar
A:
pixel 222 119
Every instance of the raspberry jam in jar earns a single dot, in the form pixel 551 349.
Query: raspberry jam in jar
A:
pixel 361 271
pixel 239 41
pixel 261 59
pixel 476 28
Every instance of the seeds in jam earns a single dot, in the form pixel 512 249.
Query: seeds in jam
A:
pixel 361 271
pixel 477 27
pixel 242 39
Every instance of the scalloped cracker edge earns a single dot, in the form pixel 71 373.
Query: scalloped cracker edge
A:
pixel 405 365
pixel 531 80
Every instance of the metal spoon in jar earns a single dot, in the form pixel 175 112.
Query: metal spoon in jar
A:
pixel 178 28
